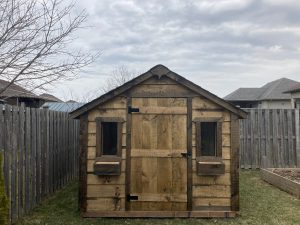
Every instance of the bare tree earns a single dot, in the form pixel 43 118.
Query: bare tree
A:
pixel 35 38
pixel 119 76
pixel 69 95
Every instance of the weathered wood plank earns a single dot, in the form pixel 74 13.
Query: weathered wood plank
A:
pixel 7 152
pixel 211 202
pixel 290 139
pixel 105 204
pixel 21 159
pixel 27 161
pixel 211 180
pixel 161 214
pixel 104 191
pixel 160 91
pixel 14 164
pixel 94 179
pixel 297 134
pixel 211 191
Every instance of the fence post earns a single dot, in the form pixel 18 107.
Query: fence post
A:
pixel 297 134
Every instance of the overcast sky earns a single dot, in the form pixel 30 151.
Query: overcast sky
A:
pixel 220 45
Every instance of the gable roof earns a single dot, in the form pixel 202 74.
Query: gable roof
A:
pixel 158 70
pixel 274 90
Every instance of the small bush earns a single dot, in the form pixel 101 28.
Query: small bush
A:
pixel 3 197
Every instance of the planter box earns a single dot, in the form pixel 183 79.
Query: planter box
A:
pixel 210 166
pixel 281 182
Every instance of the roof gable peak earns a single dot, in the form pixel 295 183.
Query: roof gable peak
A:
pixel 159 70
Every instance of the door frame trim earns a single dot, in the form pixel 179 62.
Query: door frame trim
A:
pixel 128 153
pixel 189 154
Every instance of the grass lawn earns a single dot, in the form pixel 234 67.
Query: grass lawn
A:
pixel 260 204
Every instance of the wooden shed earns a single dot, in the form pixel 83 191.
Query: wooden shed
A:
pixel 159 146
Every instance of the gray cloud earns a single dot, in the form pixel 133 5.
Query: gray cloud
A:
pixel 221 45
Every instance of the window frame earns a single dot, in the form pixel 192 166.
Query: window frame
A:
pixel 198 122
pixel 99 136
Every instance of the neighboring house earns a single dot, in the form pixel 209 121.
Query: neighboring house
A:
pixel 159 146
pixel 270 96
pixel 295 96
pixel 17 95
pixel 62 106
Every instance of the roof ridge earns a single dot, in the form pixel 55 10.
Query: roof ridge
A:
pixel 270 89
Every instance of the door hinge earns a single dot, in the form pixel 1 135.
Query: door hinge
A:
pixel 131 109
pixel 132 197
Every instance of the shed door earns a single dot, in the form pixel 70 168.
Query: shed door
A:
pixel 158 154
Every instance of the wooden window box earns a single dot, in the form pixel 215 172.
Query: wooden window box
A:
pixel 108 165
pixel 210 166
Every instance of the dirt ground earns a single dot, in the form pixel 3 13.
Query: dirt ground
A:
pixel 292 174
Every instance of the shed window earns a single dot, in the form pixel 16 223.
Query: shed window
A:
pixel 108 136
pixel 209 139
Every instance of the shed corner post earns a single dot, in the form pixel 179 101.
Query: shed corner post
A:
pixel 234 165
pixel 83 132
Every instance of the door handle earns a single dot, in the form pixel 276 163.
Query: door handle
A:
pixel 186 154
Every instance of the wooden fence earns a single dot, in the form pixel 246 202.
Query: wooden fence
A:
pixel 40 154
pixel 270 138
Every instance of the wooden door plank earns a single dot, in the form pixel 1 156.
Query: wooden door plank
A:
pixel 189 151
pixel 164 135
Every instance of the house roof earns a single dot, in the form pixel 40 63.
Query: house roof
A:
pixel 244 94
pixel 50 98
pixel 295 88
pixel 15 90
pixel 158 70
pixel 275 90
pixel 62 106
